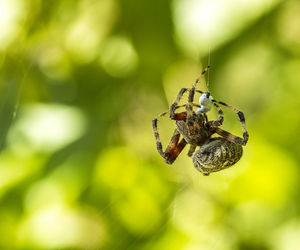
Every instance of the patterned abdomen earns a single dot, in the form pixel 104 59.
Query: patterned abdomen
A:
pixel 216 154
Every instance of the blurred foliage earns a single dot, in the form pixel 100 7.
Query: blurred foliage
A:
pixel 81 81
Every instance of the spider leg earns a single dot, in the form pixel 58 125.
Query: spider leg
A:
pixel 202 73
pixel 175 103
pixel 192 92
pixel 205 117
pixel 191 95
pixel 189 107
pixel 191 150
pixel 220 120
pixel 238 140
pixel 182 115
pixel 174 148
pixel 230 137
pixel 199 91
pixel 156 134
pixel 174 106
pixel 179 116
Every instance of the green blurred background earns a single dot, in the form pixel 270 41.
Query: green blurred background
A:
pixel 81 81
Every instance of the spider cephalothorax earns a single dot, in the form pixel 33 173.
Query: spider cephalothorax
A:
pixel 214 154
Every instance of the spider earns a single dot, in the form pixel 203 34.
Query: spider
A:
pixel 214 154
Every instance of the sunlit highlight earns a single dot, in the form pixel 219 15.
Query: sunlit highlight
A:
pixel 11 13
pixel 62 227
pixel 85 34
pixel 15 168
pixel 266 179
pixel 47 127
pixel 82 40
pixel 118 56
pixel 286 237
pixel 288 26
pixel 63 186
pixel 201 24
pixel 137 205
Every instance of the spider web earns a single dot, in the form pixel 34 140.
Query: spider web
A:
pixel 12 94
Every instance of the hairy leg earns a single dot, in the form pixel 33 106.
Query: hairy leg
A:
pixel 242 120
pixel 174 147
pixel 220 120
pixel 231 137
pixel 175 103
pixel 191 150
pixel 189 107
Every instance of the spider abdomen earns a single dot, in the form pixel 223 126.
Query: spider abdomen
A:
pixel 217 154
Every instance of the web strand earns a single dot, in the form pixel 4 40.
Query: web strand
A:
pixel 208 63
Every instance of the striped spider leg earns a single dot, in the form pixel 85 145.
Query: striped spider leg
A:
pixel 194 128
pixel 229 136
pixel 174 147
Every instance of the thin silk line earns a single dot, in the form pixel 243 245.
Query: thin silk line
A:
pixel 208 63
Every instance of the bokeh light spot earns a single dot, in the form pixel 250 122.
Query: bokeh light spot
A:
pixel 84 36
pixel 47 127
pixel 117 169
pixel 62 187
pixel 118 56
pixel 286 237
pixel 62 227
pixel 138 191
pixel 199 24
pixel 11 15
pixel 288 26
pixel 269 175
pixel 15 168
pixel 139 212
